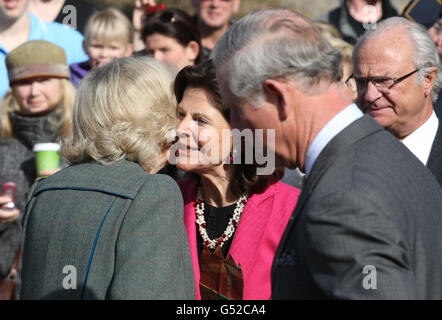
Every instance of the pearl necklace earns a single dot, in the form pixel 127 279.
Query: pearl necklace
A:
pixel 233 222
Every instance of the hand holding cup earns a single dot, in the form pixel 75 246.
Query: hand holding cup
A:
pixel 47 158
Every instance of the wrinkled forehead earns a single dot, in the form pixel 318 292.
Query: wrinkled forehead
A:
pixel 392 51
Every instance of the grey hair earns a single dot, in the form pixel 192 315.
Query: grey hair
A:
pixel 275 43
pixel 425 52
pixel 125 109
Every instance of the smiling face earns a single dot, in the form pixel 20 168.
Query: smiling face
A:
pixel 405 106
pixel 38 95
pixel 216 13
pixel 101 52
pixel 205 137
pixel 169 50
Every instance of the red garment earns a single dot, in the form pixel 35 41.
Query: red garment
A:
pixel 256 239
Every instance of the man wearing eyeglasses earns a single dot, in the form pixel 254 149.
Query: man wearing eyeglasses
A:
pixel 368 223
pixel 397 79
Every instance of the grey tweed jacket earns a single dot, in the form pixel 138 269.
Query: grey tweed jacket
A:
pixel 96 231
pixel 367 225
pixel 17 165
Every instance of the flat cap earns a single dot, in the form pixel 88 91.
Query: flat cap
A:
pixel 36 58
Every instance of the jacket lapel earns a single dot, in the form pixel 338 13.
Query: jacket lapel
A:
pixel 354 132
pixel 435 159
pixel 188 189
pixel 252 226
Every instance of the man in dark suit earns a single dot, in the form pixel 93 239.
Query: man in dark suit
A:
pixel 397 79
pixel 368 222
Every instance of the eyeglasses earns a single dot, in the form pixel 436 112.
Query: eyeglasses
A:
pixel 383 84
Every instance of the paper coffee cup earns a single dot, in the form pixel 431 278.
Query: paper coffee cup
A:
pixel 46 156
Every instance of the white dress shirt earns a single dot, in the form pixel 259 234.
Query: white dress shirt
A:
pixel 421 140
pixel 338 123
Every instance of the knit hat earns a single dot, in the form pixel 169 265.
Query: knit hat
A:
pixel 425 12
pixel 36 58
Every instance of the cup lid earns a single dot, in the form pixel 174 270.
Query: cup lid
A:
pixel 48 146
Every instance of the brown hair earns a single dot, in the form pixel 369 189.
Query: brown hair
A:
pixel 173 23
pixel 244 177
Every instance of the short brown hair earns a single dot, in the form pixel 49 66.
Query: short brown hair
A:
pixel 173 23
pixel 244 177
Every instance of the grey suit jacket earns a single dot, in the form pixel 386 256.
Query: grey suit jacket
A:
pixel 110 231
pixel 435 159
pixel 368 224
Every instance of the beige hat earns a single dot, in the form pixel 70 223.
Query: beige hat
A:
pixel 36 58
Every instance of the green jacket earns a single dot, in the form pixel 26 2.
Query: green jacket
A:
pixel 96 231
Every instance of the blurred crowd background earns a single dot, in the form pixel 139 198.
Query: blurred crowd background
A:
pixel 310 8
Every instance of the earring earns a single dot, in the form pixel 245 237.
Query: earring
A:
pixel 233 155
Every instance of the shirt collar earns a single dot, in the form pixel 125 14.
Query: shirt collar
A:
pixel 420 141
pixel 338 123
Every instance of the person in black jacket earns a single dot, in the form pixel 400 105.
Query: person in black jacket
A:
pixel 354 17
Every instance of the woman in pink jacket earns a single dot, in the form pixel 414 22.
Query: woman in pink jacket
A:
pixel 234 217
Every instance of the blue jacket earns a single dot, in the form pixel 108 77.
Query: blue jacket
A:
pixel 69 39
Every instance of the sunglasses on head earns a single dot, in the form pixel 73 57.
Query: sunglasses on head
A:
pixel 167 17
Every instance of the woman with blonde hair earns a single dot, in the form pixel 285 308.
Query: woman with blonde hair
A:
pixel 36 109
pixel 108 216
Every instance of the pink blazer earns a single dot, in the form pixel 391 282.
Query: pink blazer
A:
pixel 256 239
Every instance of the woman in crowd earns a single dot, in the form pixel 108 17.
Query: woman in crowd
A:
pixel 108 216
pixel 171 36
pixel 234 218
pixel 37 108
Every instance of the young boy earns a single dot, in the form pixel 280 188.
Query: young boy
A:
pixel 108 36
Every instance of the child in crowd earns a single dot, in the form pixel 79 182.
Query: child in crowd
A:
pixel 108 36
